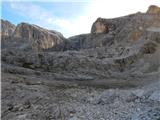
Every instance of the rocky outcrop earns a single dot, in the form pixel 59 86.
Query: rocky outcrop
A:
pixel 89 41
pixel 7 28
pixel 30 37
pixel 38 37
pixel 102 26
pixel 153 9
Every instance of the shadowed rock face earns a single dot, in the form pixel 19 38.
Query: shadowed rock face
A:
pixel 153 9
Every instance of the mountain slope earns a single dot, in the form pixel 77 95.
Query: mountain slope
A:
pixel 98 55
pixel 110 73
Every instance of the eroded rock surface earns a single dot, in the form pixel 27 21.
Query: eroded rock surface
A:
pixel 32 37
pixel 39 37
pixel 101 25
pixel 111 73
pixel 7 28
pixel 153 9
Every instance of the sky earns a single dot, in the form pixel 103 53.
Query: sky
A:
pixel 70 17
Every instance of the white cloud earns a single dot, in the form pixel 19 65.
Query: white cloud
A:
pixel 32 11
pixel 44 18
pixel 82 24
pixel 115 8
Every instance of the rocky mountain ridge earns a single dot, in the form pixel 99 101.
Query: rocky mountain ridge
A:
pixel 7 28
pixel 110 73
pixel 106 53
pixel 36 37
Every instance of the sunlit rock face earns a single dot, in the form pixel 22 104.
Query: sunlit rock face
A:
pixel 102 26
pixel 38 37
pixel 153 9
pixel 7 28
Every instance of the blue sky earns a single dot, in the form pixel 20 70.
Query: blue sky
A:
pixel 70 17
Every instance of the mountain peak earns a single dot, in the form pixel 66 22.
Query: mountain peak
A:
pixel 7 28
pixel 153 9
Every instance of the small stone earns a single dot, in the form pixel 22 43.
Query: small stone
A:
pixel 10 107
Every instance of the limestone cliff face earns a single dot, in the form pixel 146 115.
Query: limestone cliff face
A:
pixel 39 38
pixel 153 9
pixel 102 26
pixel 7 28
pixel 30 37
